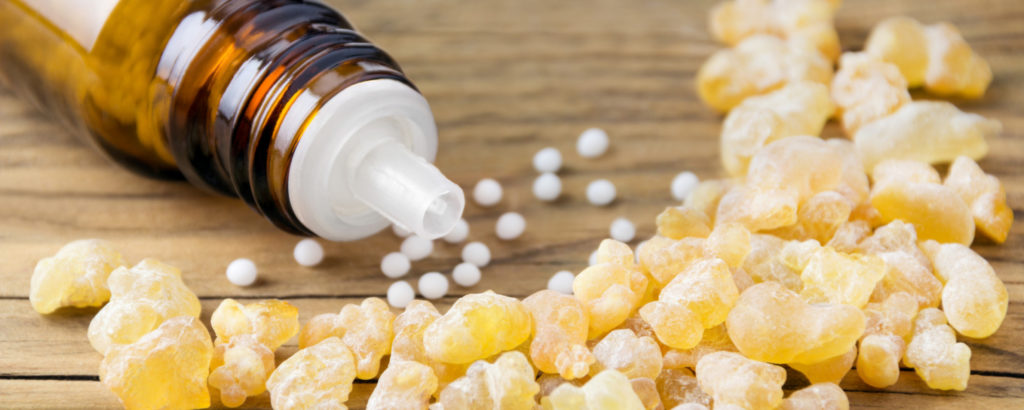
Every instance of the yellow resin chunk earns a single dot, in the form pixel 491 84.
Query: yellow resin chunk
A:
pixel 165 368
pixel 763 264
pixel 935 56
pixel 611 289
pixel 729 242
pixel 634 356
pixel 316 377
pixel 799 108
pixel 927 131
pixel 559 342
pixel 506 384
pixel 804 21
pixel 365 328
pixel 731 379
pixel 834 277
pixel 935 355
pixel 706 195
pixel 698 298
pixel 818 396
pixel 680 222
pixel 477 326
pixel 76 276
pixel 974 298
pixel 409 327
pixel 608 390
pixel 936 211
pixel 141 298
pixel 647 392
pixel 848 236
pixel 818 218
pixel 757 65
pixel 247 337
pixel 240 369
pixel 403 385
pixel 715 339
pixel 830 370
pixel 984 195
pixel 865 89
pixel 272 321
pixel 665 258
pixel 679 386
pixel 781 176
pixel 883 344
pixel 773 324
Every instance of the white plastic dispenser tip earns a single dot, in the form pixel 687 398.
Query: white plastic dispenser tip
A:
pixel 407 189
pixel 363 162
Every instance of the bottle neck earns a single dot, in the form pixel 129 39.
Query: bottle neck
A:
pixel 282 104
pixel 247 76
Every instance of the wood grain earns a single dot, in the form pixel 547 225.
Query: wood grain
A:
pixel 504 78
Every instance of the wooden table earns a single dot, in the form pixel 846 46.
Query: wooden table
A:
pixel 505 78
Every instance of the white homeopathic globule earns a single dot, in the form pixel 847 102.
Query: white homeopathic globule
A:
pixel 417 247
pixel 241 272
pixel 601 192
pixel 547 187
pixel 466 274
pixel 308 252
pixel 433 285
pixel 400 294
pixel 487 192
pixel 547 160
pixel 476 253
pixel 510 226
pixel 395 265
pixel 622 230
pixel 592 143
pixel 683 184
pixel 458 233
pixel 561 282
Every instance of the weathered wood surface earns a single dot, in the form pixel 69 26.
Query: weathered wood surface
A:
pixel 504 79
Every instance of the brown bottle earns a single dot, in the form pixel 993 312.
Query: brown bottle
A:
pixel 278 102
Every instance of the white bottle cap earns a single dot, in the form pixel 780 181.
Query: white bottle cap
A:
pixel 364 162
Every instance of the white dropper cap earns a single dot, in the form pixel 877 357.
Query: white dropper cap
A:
pixel 363 163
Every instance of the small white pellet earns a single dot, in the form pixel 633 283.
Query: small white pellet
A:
pixel 547 187
pixel 400 232
pixel 476 253
pixel 487 192
pixel 433 285
pixel 547 160
pixel 241 272
pixel 561 282
pixel 592 260
pixel 622 230
pixel 395 265
pixel 601 192
pixel 417 247
pixel 308 252
pixel 400 294
pixel 683 184
pixel 458 233
pixel 592 143
pixel 510 226
pixel 466 274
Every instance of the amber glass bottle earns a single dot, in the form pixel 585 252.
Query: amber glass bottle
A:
pixel 278 102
